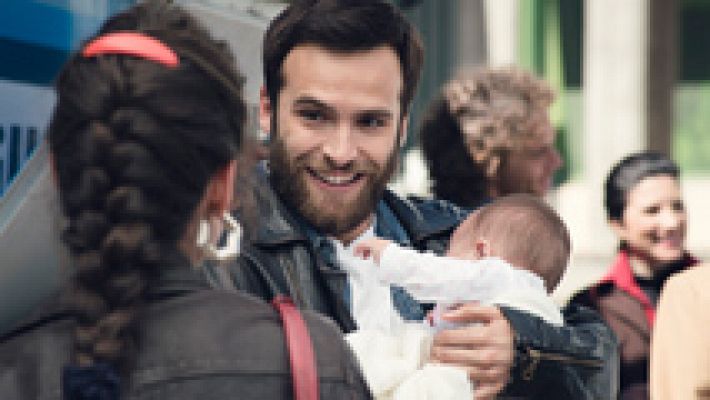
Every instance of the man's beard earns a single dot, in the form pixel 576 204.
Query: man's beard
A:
pixel 333 216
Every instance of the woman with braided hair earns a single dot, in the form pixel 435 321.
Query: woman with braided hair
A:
pixel 148 123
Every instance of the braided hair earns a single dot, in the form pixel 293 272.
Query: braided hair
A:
pixel 134 145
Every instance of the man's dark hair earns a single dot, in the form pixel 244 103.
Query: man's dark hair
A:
pixel 627 173
pixel 342 26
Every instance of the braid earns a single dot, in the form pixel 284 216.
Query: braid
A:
pixel 134 145
pixel 111 235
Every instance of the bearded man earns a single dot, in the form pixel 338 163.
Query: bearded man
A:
pixel 339 78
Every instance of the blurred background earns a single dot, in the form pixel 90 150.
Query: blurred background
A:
pixel 630 75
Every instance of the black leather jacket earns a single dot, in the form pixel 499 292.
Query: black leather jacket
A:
pixel 577 361
pixel 195 343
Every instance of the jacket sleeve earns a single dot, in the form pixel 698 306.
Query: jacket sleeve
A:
pixel 577 361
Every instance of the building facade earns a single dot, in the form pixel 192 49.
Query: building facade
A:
pixel 36 37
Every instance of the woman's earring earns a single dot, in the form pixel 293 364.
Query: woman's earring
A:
pixel 232 243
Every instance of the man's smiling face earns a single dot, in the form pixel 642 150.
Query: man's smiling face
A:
pixel 335 129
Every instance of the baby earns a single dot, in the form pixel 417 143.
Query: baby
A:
pixel 512 252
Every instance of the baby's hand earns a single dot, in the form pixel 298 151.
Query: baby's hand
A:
pixel 371 248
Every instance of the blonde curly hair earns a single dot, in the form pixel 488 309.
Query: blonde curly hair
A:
pixel 477 117
pixel 494 108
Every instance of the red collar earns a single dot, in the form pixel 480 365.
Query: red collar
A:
pixel 621 275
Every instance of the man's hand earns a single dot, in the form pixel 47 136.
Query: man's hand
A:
pixel 371 248
pixel 484 349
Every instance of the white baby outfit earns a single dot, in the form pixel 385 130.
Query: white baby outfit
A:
pixel 394 353
pixel 435 279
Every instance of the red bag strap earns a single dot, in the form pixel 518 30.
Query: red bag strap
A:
pixel 300 349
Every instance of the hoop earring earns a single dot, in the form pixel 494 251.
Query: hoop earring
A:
pixel 232 231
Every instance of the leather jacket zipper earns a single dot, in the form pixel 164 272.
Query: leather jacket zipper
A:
pixel 536 356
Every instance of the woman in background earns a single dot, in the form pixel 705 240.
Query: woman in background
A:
pixel 143 139
pixel 488 134
pixel 645 209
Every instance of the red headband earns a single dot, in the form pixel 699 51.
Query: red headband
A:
pixel 134 44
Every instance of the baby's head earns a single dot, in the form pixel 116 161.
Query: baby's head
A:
pixel 520 229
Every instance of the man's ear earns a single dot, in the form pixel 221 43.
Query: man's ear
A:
pixel 482 248
pixel 265 111
pixel 220 189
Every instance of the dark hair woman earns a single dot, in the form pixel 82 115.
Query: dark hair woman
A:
pixel 143 139
pixel 645 209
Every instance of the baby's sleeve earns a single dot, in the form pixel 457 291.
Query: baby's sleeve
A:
pixel 432 278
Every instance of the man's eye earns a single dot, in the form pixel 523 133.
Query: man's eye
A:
pixel 311 115
pixel 372 122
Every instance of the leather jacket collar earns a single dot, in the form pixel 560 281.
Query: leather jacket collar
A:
pixel 412 214
pixel 178 277
pixel 275 225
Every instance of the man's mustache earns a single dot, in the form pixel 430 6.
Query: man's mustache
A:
pixel 325 165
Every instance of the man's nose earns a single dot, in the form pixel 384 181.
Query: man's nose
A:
pixel 339 146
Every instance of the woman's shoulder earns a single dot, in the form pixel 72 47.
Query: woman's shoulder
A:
pixel 590 295
pixel 234 330
pixel 229 341
pixel 39 344
pixel 601 287
pixel 48 321
pixel 237 336
pixel 226 309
